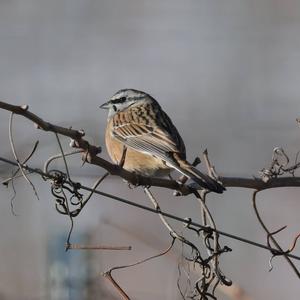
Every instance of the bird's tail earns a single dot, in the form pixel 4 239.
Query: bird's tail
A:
pixel 202 179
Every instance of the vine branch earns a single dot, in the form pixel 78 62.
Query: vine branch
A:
pixel 211 274
pixel 91 151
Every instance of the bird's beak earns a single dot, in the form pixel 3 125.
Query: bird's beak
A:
pixel 104 105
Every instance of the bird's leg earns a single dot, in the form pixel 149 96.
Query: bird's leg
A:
pixel 121 164
pixel 122 161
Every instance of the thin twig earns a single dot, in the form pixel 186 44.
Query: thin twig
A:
pixel 16 157
pixel 279 249
pixel 40 123
pixel 12 207
pixel 96 247
pixel 157 208
pixel 276 253
pixel 63 155
pixel 95 186
pixel 294 243
pixel 206 215
pixel 117 286
pixel 71 220
pixel 172 232
pixel 57 156
pixel 164 252
pixel 108 276
pixel 212 173
pixel 14 175
pixel 210 168
pixel 197 258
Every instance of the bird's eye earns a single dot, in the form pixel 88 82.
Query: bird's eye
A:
pixel 114 108
pixel 123 99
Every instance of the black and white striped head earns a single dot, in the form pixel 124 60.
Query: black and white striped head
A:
pixel 123 99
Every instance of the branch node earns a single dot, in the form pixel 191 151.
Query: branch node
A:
pixel 81 132
pixel 24 107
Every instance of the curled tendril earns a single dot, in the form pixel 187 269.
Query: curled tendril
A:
pixel 278 153
pixel 59 184
pixel 275 252
pixel 279 165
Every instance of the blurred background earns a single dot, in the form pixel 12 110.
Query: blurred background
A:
pixel 227 73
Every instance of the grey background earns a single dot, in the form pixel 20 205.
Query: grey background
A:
pixel 227 73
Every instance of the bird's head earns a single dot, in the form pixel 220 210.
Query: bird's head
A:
pixel 124 99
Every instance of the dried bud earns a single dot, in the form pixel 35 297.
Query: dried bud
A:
pixel 24 107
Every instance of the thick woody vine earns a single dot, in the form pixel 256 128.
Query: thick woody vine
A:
pixel 71 197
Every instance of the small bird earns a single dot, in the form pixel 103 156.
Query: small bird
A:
pixel 137 123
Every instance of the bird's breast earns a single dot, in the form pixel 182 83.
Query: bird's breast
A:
pixel 135 161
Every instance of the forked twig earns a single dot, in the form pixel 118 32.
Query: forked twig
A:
pixel 96 184
pixel 277 253
pixel 269 234
pixel 172 232
pixel 206 216
pixel 210 168
pixel 16 157
pixel 63 155
pixel 57 156
pixel 108 274
pixel 216 250
pixel 14 175
pixel 294 243
pixel 207 276
pixel 164 252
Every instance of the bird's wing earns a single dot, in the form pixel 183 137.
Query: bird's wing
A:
pixel 148 136
pixel 145 139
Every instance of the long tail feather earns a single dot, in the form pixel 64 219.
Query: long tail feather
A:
pixel 202 179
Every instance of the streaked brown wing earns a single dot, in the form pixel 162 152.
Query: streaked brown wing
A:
pixel 147 135
pixel 146 139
